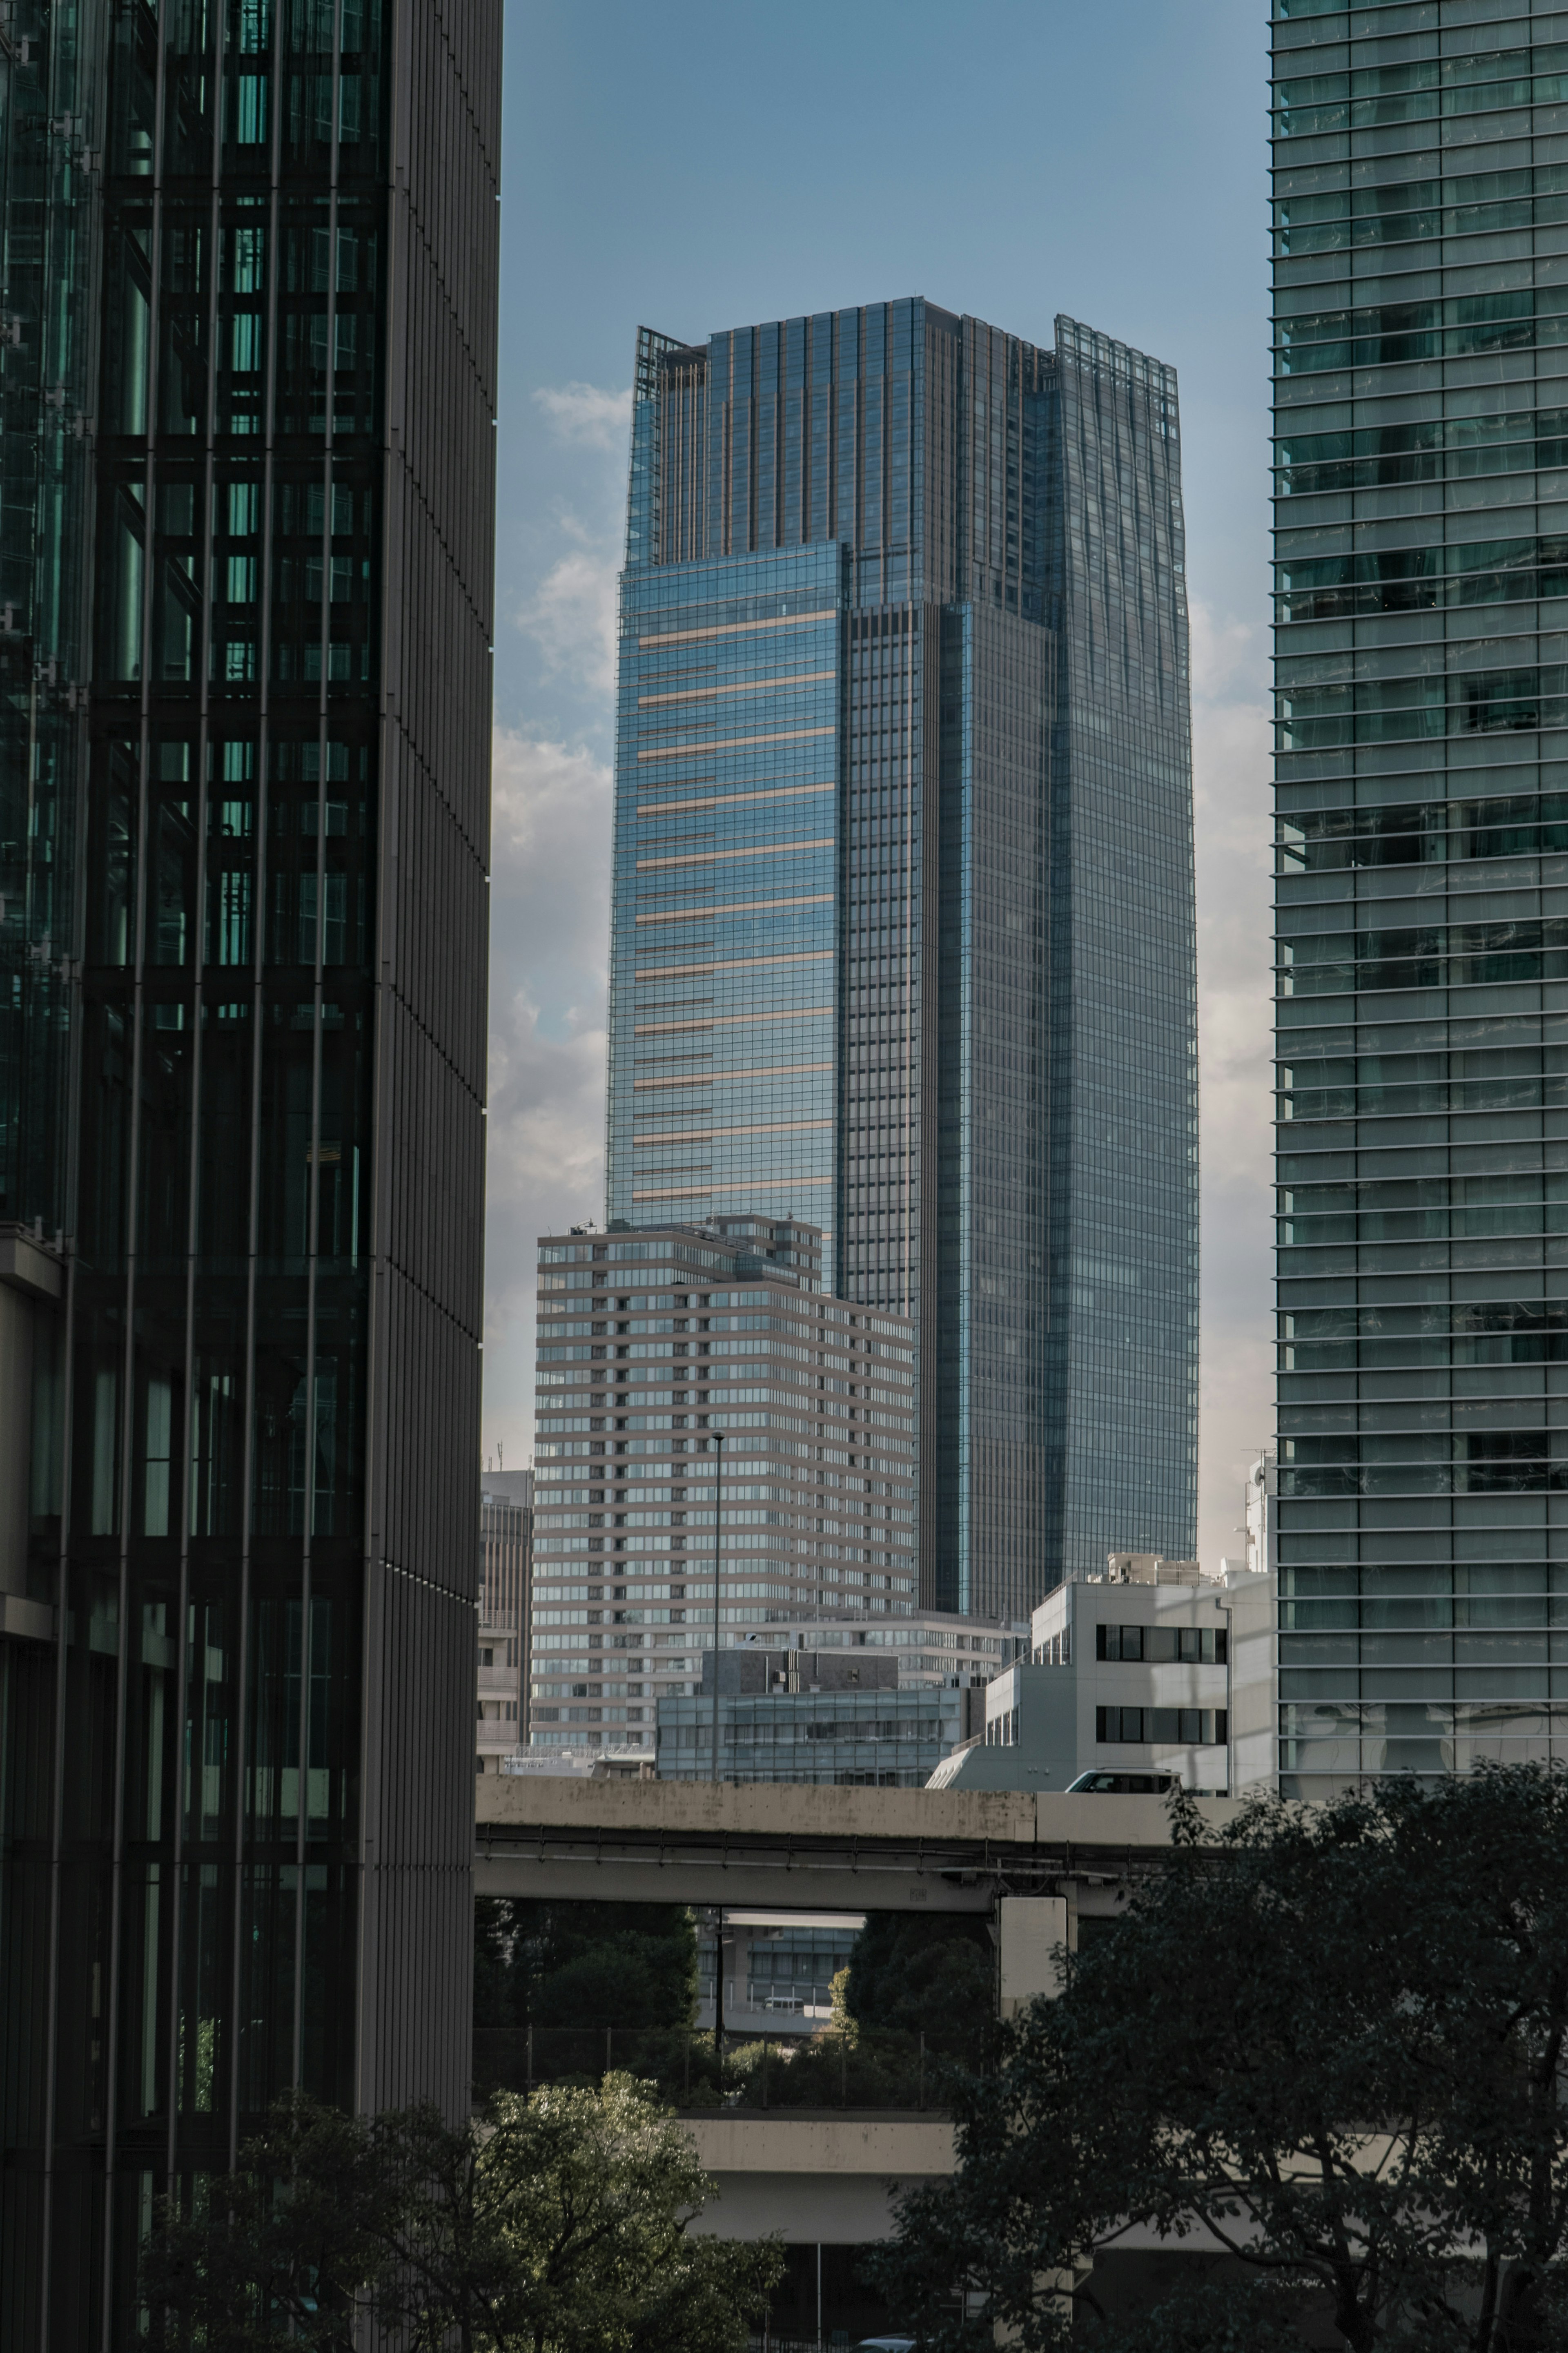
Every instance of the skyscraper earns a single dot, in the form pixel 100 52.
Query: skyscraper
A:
pixel 247 371
pixel 903 935
pixel 1421 286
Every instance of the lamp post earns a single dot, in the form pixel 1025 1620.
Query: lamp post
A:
pixel 718 1526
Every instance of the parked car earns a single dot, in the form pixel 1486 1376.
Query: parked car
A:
pixel 1121 1785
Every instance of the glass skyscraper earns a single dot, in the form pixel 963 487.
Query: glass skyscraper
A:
pixel 903 935
pixel 1421 294
pixel 247 385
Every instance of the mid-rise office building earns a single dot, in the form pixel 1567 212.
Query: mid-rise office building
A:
pixel 929 1648
pixel 1149 1669
pixel 658 1355
pixel 829 1715
pixel 506 1582
pixel 902 937
pixel 1421 364
pixel 248 400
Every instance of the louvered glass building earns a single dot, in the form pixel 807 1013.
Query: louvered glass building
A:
pixel 903 935
pixel 1421 359
pixel 247 383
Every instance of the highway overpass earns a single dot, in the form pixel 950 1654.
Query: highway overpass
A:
pixel 801 1845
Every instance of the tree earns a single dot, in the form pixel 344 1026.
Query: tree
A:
pixel 596 2190
pixel 558 2224
pixel 578 1963
pixel 1333 2047
pixel 279 2252
pixel 912 1975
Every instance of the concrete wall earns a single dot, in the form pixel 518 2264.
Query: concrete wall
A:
pixel 827 2179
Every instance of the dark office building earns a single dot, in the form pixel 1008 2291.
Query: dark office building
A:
pixel 1421 363
pixel 246 394
pixel 903 931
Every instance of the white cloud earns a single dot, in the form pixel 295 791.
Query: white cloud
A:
pixel 549 940
pixel 1231 762
pixel 588 414
pixel 549 853
pixel 571 617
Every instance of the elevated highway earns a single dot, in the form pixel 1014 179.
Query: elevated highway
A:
pixel 800 1846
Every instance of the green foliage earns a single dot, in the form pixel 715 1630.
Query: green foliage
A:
pixel 911 1975
pixel 594 2185
pixel 558 2224
pixel 577 1964
pixel 831 2070
pixel 1334 2047
pixel 276 2254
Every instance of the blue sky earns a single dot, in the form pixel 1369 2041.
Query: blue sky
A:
pixel 694 165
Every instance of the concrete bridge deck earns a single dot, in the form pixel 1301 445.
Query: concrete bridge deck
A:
pixel 790 1845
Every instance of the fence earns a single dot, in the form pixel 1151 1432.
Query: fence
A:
pixel 833 2069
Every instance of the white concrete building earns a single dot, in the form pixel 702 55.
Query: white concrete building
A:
pixel 1262 1511
pixel 1152 1667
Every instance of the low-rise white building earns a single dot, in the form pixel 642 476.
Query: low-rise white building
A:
pixel 1150 1668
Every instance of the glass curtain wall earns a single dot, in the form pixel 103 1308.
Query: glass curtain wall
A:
pixel 51 129
pixel 218 1369
pixel 724 942
pixel 999 1033
pixel 1421 357
pixel 1123 960
pixel 248 390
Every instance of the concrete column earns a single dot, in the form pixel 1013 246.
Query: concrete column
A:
pixel 1030 1932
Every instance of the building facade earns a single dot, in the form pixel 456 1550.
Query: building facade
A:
pixel 902 937
pixel 1421 360
pixel 505 1598
pixel 778 1969
pixel 655 1354
pixel 1150 1668
pixel 247 374
pixel 829 1715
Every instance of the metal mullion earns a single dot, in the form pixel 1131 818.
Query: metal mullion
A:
pixel 198 926
pixel 117 1861
pixel 259 903
pixel 312 1240
pixel 373 1566
pixel 72 1127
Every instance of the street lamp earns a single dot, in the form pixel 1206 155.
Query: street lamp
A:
pixel 718 1526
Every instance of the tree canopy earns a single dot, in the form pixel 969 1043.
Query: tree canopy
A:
pixel 1329 2048
pixel 538 1963
pixel 556 2224
pixel 914 1974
